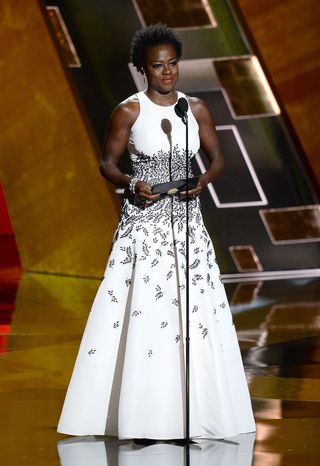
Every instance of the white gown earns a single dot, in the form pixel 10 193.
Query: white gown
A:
pixel 128 379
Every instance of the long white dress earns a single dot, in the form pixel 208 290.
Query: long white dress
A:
pixel 129 376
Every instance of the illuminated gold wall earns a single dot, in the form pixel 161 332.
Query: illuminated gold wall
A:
pixel 63 213
pixel 287 35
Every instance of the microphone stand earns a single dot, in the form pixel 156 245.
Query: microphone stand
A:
pixel 181 110
pixel 185 121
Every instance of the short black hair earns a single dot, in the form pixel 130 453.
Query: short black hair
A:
pixel 153 35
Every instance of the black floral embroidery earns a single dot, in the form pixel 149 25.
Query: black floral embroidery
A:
pixel 159 292
pixel 177 338
pixel 146 252
pixel 116 324
pixel 195 264
pixel 157 231
pixel 204 330
pixel 128 258
pixel 146 278
pixel 150 353
pixel 169 274
pixel 164 324
pixel 136 313
pixel 197 277
pixel 223 305
pixel 209 263
pixel 127 232
pixel 111 263
pixel 128 282
pixel 143 229
pixel 113 298
pixel 154 262
pixel 158 252
pixel 195 308
pixel 175 302
pixel 91 351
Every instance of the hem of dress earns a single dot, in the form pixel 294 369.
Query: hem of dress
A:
pixel 192 437
pixel 157 437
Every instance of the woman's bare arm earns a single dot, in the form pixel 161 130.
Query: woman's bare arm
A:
pixel 116 140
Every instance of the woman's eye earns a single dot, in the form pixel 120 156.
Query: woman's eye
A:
pixel 157 66
pixel 173 64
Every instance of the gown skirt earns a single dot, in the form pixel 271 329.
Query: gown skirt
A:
pixel 129 377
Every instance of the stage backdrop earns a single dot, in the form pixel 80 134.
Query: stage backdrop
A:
pixel 262 214
pixel 63 213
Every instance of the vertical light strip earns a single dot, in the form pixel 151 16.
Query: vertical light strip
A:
pixel 63 36
pixel 265 84
pixel 208 10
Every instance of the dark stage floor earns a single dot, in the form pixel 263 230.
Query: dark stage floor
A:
pixel 41 322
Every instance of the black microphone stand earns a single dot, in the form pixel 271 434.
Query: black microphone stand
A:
pixel 185 121
pixel 181 110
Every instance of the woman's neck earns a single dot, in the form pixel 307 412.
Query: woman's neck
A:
pixel 159 98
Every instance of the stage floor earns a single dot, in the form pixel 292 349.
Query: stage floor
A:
pixel 41 321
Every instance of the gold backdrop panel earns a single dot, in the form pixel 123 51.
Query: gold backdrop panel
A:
pixel 62 211
pixel 292 224
pixel 245 258
pixel 246 86
pixel 184 14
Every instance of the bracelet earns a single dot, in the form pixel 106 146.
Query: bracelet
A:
pixel 132 185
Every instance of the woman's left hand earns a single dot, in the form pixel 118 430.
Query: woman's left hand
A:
pixel 202 183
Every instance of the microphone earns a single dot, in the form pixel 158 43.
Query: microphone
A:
pixel 181 109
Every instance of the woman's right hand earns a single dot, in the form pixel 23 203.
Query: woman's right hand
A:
pixel 144 190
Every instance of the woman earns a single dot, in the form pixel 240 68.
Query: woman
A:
pixel 128 379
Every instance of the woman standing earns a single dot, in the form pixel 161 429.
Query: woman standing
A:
pixel 129 376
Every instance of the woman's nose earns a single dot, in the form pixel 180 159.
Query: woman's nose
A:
pixel 166 69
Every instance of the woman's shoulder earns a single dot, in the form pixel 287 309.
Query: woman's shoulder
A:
pixel 196 104
pixel 199 108
pixel 127 110
pixel 130 104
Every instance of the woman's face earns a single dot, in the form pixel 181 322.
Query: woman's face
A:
pixel 161 68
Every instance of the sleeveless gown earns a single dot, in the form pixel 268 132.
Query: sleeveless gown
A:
pixel 129 376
